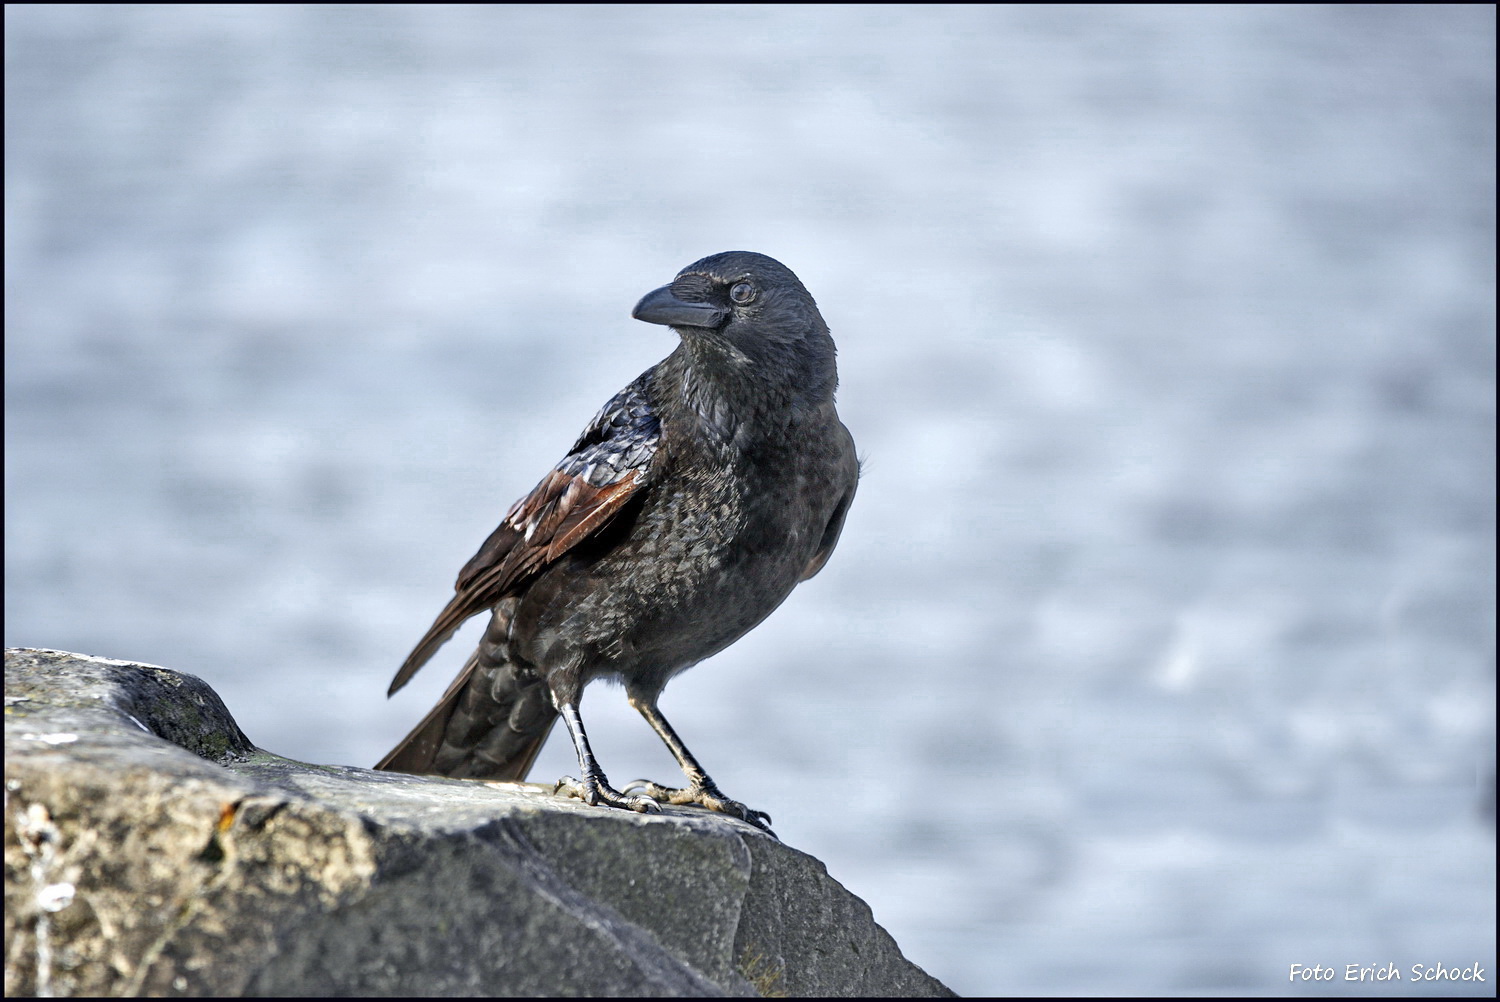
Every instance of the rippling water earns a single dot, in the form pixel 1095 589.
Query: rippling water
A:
pixel 1158 654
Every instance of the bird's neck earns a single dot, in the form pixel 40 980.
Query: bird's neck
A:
pixel 726 394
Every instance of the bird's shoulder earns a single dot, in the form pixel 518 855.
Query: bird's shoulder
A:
pixel 622 438
pixel 611 462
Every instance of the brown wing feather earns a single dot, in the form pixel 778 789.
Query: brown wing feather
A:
pixel 561 512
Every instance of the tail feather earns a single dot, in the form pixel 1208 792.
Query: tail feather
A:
pixel 490 724
pixel 417 752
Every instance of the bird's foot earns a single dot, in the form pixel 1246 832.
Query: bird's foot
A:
pixel 704 795
pixel 598 792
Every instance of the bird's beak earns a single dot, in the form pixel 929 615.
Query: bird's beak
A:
pixel 661 307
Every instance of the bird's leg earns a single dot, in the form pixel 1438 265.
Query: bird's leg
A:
pixel 701 789
pixel 594 788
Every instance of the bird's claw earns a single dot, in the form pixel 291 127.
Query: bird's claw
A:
pixel 602 793
pixel 707 795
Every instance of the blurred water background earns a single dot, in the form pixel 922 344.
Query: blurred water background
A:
pixel 1158 654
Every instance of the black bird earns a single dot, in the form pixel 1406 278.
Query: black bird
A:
pixel 688 509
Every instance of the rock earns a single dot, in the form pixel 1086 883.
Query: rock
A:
pixel 151 849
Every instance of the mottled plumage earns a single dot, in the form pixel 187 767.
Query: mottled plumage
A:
pixel 685 513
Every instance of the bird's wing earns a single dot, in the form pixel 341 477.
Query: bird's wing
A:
pixel 609 464
pixel 835 526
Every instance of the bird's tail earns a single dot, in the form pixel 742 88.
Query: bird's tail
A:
pixel 490 724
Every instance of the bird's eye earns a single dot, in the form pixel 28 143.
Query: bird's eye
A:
pixel 742 292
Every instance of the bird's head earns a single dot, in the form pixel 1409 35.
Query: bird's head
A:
pixel 744 315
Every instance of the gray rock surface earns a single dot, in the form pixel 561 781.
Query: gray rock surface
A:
pixel 151 849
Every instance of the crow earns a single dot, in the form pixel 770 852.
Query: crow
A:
pixel 687 511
